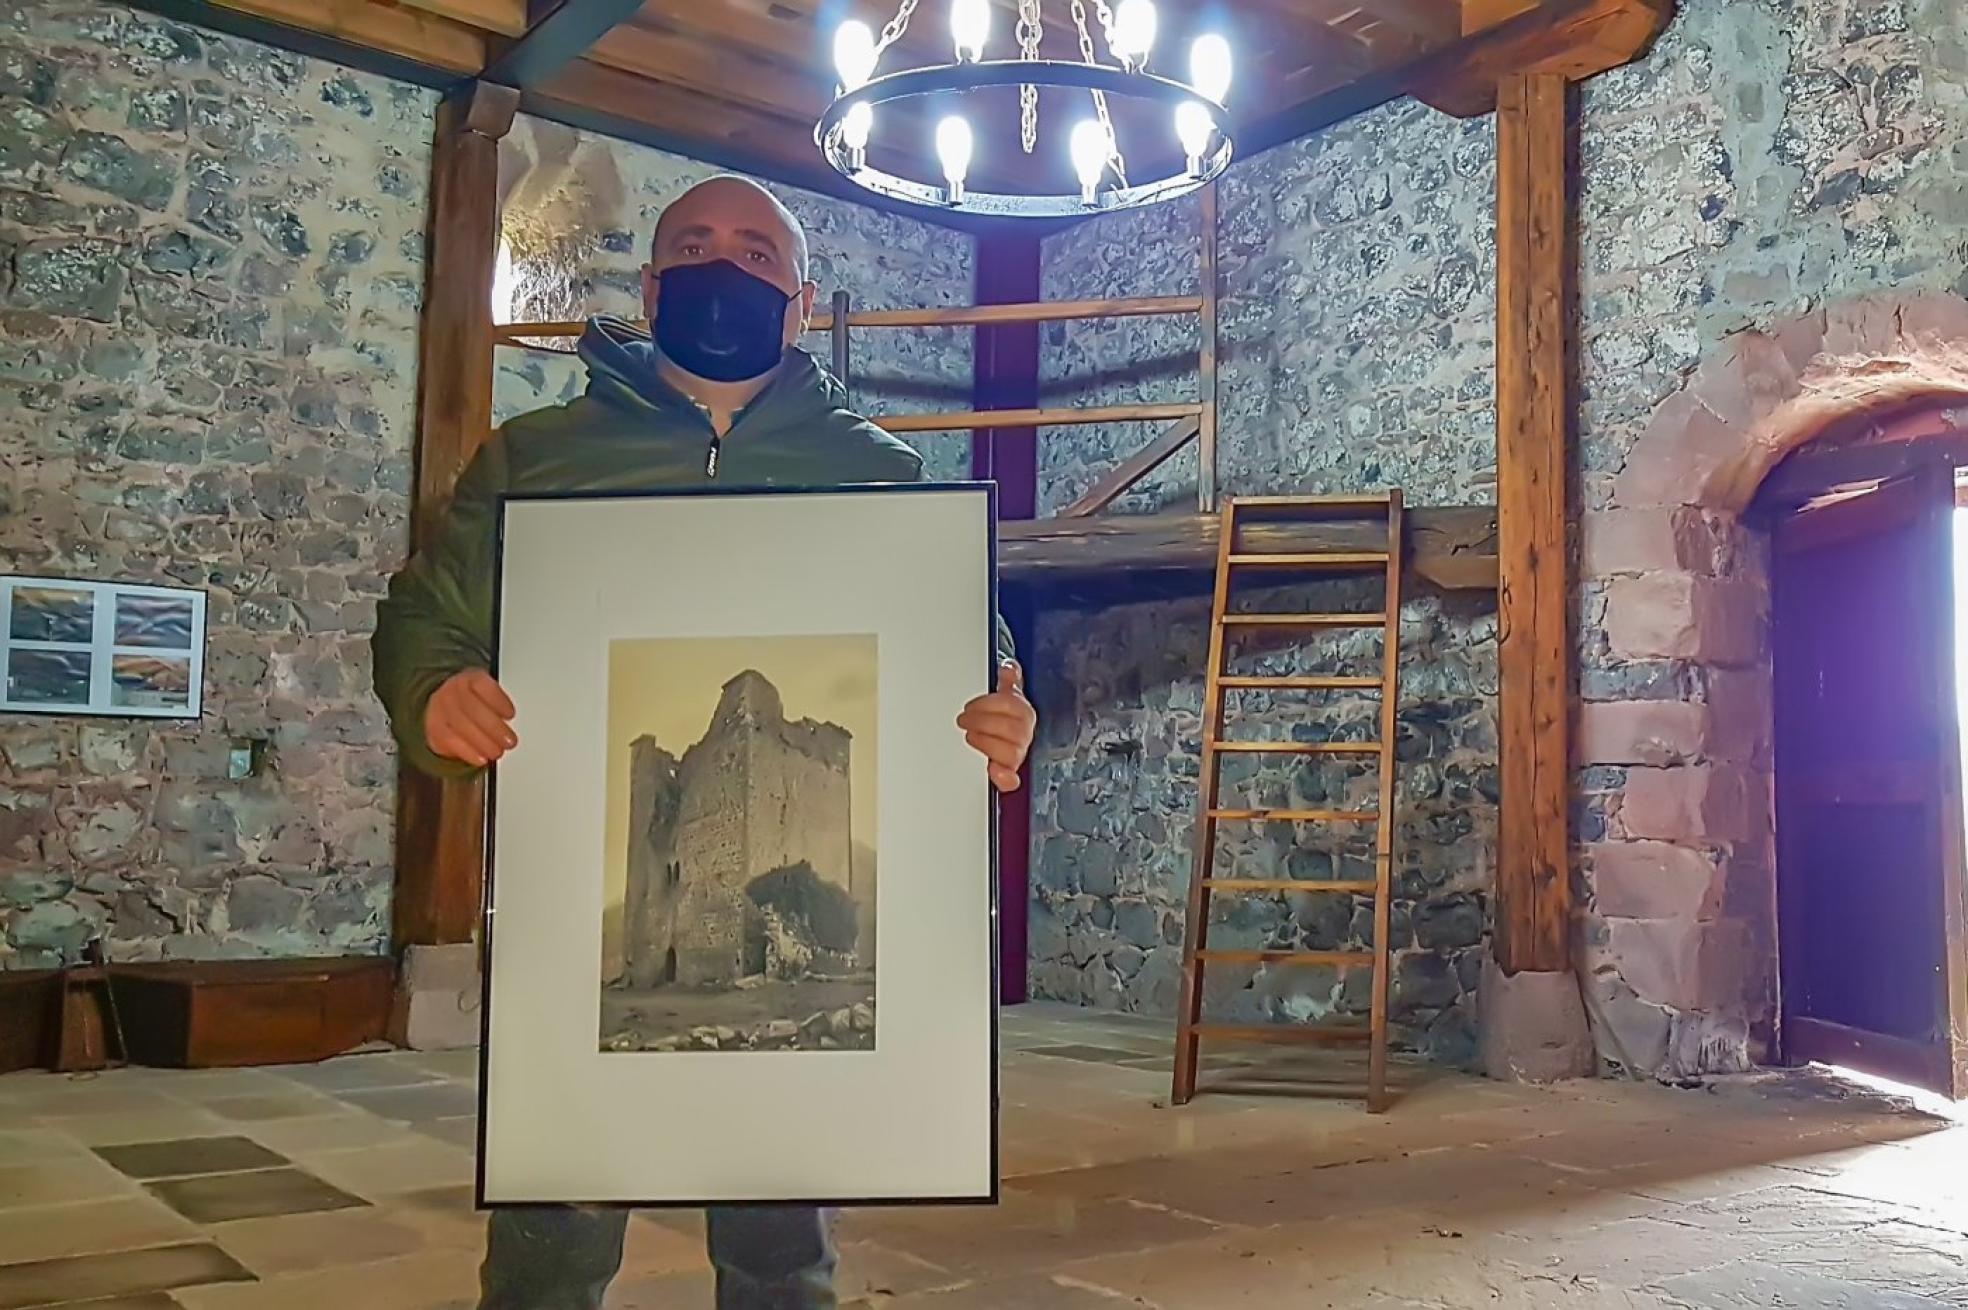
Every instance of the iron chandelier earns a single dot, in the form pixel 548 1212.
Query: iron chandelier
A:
pixel 1195 107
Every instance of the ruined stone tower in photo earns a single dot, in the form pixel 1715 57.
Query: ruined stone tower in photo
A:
pixel 759 793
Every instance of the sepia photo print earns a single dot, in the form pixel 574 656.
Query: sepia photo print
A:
pixel 739 907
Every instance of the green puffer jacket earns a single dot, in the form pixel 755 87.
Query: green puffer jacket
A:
pixel 630 432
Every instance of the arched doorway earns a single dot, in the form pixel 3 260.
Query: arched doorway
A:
pixel 1694 913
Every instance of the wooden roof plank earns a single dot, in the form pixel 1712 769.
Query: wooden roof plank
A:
pixel 501 17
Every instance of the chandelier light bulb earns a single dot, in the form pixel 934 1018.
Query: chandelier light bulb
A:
pixel 1133 35
pixel 854 54
pixel 1193 129
pixel 970 27
pixel 1091 146
pixel 1209 66
pixel 953 144
pixel 860 121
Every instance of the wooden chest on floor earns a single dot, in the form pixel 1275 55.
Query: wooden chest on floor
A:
pixel 196 1015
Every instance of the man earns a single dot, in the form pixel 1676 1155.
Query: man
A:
pixel 720 396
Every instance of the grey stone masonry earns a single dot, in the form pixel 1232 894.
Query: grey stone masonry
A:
pixel 210 273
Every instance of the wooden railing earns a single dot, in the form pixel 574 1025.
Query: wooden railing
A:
pixel 1193 421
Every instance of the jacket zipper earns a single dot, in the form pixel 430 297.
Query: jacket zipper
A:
pixel 711 455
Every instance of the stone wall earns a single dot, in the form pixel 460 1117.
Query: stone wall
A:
pixel 1358 291
pixel 579 214
pixel 210 270
pixel 1775 187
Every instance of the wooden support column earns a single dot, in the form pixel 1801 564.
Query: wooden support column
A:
pixel 1005 369
pixel 1535 251
pixel 440 827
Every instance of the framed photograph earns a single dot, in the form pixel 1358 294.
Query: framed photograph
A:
pixel 741 896
pixel 109 648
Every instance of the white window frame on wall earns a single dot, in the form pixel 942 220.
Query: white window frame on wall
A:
pixel 102 650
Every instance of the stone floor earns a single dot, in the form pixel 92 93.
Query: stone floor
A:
pixel 347 1184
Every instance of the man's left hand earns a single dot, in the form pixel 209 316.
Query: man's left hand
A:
pixel 1000 726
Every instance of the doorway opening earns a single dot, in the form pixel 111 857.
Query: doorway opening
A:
pixel 1869 652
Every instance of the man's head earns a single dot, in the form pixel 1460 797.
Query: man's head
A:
pixel 734 220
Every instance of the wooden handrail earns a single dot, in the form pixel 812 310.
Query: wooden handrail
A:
pixel 1033 418
pixel 1047 311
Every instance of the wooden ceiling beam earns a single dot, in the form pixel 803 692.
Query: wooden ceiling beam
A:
pixel 1575 39
pixel 566 32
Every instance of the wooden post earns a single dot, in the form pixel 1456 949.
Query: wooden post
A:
pixel 1005 375
pixel 1534 325
pixel 837 338
pixel 440 827
pixel 1206 365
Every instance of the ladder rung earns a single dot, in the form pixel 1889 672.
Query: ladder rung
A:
pixel 1303 684
pixel 1280 1032
pixel 1304 620
pixel 1328 560
pixel 1352 887
pixel 1341 959
pixel 1298 747
pixel 1298 816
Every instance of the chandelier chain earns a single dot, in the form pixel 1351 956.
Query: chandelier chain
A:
pixel 1105 13
pixel 1114 160
pixel 896 26
pixel 1031 29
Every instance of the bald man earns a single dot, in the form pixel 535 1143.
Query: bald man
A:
pixel 715 394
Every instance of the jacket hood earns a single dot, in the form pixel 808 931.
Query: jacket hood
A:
pixel 622 374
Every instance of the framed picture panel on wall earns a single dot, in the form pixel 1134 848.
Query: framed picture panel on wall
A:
pixel 103 648
pixel 741 904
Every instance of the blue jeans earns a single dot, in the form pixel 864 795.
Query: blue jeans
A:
pixel 767 1258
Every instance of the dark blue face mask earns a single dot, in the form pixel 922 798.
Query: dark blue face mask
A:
pixel 720 322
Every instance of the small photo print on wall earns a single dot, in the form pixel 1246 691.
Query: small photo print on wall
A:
pixel 52 614
pixel 739 907
pixel 151 682
pixel 48 677
pixel 165 622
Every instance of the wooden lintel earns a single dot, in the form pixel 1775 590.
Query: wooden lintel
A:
pixel 1535 252
pixel 1451 548
pixel 1813 473
pixel 440 825
pixel 1574 39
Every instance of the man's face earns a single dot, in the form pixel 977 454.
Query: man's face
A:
pixel 737 223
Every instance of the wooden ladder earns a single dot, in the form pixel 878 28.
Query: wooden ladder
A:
pixel 1236 558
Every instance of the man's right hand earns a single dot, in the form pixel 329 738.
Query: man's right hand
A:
pixel 469 719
